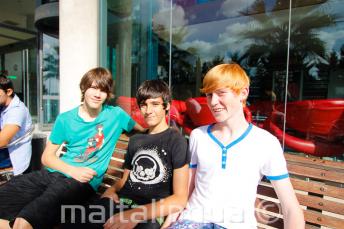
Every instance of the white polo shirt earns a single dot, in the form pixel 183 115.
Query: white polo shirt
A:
pixel 227 177
pixel 20 154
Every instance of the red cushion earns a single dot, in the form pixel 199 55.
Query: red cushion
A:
pixel 316 117
pixel 129 105
pixel 320 121
pixel 198 111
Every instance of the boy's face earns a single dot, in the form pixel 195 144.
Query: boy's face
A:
pixel 225 104
pixel 154 112
pixel 5 96
pixel 94 97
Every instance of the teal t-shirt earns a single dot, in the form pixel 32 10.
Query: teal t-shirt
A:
pixel 90 144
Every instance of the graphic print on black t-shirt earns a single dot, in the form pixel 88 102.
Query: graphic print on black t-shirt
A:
pixel 148 167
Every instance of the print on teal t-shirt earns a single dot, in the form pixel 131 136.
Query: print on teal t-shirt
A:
pixel 90 144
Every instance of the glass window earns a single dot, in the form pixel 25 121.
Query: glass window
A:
pixel 18 50
pixel 50 79
pixel 32 84
pixel 135 51
pixel 296 69
pixel 315 93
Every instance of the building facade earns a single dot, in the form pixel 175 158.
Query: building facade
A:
pixel 293 52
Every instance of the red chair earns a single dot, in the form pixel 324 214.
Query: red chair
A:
pixel 129 105
pixel 199 114
pixel 198 111
pixel 314 127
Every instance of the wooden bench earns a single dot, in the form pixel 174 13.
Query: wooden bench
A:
pixel 319 186
pixel 115 168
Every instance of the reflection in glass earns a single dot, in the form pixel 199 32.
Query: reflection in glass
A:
pixel 133 47
pixel 286 64
pixel 32 81
pixel 50 81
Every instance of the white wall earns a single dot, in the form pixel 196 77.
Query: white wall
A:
pixel 79 46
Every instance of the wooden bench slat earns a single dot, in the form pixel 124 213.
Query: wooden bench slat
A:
pixel 305 200
pixel 269 220
pixel 320 174
pixel 120 151
pixel 313 161
pixel 320 203
pixel 117 162
pixel 310 215
pixel 323 220
pixel 267 205
pixel 109 180
pixel 125 137
pixel 122 145
pixel 318 187
pixel 118 155
pixel 307 226
pixel 114 172
pixel 266 190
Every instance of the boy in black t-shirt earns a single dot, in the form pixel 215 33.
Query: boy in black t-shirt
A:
pixel 155 178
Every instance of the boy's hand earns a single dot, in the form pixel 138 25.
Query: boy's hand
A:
pixel 170 219
pixel 82 174
pixel 117 221
pixel 111 194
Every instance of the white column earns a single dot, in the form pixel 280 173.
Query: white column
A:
pixel 79 46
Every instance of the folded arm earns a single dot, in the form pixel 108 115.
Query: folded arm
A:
pixel 51 160
pixel 7 133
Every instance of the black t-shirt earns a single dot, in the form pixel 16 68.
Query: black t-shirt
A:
pixel 151 159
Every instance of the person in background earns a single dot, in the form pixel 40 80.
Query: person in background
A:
pixel 230 157
pixel 34 200
pixel 15 128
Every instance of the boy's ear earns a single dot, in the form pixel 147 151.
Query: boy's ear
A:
pixel 244 93
pixel 9 92
pixel 168 106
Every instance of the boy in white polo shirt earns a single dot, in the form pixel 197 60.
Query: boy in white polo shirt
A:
pixel 229 158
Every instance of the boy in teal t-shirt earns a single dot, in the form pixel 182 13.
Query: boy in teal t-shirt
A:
pixel 90 144
pixel 90 132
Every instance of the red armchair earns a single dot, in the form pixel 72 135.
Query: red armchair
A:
pixel 314 127
pixel 198 114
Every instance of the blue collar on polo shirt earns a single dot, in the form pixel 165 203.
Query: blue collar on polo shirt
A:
pixel 225 148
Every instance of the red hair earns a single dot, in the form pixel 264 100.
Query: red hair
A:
pixel 231 76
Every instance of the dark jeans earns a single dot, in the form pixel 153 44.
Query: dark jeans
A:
pixel 38 196
pixel 5 161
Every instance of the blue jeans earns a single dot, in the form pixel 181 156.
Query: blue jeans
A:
pixel 5 160
pixel 188 224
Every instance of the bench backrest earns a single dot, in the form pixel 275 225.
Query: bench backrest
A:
pixel 115 168
pixel 319 186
